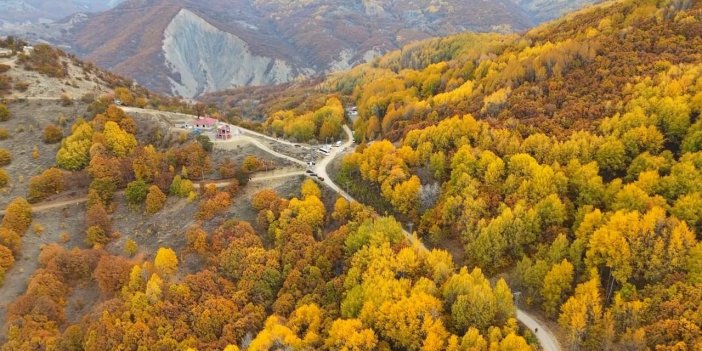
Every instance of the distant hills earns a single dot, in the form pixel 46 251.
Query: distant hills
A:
pixel 188 47
pixel 22 11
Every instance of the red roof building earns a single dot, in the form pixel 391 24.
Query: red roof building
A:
pixel 204 122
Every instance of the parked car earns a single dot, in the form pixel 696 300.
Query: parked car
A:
pixel 309 171
pixel 320 178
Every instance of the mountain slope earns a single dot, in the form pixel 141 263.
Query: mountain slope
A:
pixel 183 46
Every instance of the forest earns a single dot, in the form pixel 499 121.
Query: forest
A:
pixel 563 165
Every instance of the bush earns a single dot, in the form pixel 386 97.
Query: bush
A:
pixel 155 200
pixel 18 216
pixel 51 182
pixel 4 134
pixel 52 134
pixel 96 236
pixel 5 157
pixel 4 178
pixel 4 68
pixel 21 86
pixel 136 192
pixel 10 239
pixel 5 113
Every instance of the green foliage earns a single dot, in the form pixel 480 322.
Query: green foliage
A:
pixel 136 192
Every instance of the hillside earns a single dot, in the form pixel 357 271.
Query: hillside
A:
pixel 188 47
pixel 124 229
pixel 565 159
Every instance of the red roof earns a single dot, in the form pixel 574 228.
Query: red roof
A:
pixel 206 121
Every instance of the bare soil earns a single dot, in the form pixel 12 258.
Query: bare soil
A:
pixel 26 128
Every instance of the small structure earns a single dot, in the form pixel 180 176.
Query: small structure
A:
pixel 204 122
pixel 28 50
pixel 5 53
pixel 224 132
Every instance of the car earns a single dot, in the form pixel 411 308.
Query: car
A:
pixel 311 163
pixel 297 145
pixel 309 171
pixel 320 178
pixel 338 143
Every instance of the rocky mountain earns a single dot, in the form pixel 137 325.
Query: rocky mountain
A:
pixel 21 11
pixel 188 47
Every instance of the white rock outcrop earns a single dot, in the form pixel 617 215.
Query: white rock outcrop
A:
pixel 204 59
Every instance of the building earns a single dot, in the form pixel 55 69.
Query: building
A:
pixel 224 132
pixel 5 52
pixel 204 122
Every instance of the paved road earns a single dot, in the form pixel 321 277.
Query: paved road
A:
pixel 546 338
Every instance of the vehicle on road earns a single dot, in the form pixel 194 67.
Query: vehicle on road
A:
pixel 320 178
pixel 338 143
pixel 309 171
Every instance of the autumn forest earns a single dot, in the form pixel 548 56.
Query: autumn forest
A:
pixel 556 172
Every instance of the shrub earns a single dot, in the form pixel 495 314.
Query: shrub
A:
pixel 4 179
pixel 155 200
pixel 96 236
pixel 4 68
pixel 18 215
pixel 4 134
pixel 51 182
pixel 66 100
pixel 96 216
pixel 5 157
pixel 130 247
pixel 10 239
pixel 136 192
pixel 251 164
pixel 21 86
pixel 52 134
pixel 5 113
pixel 213 206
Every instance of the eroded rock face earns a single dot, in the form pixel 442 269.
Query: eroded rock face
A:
pixel 204 59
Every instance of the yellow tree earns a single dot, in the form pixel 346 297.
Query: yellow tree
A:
pixel 118 141
pixel 557 284
pixel 350 335
pixel 166 261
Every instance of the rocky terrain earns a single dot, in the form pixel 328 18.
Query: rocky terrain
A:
pixel 188 47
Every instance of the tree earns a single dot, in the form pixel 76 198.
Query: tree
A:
pixel 96 216
pixel 264 199
pixel 310 188
pixel 205 142
pixel 136 192
pixel 155 200
pixel 18 216
pixel 50 182
pixel 118 141
pixel 557 284
pixel 74 153
pixel 111 273
pixel 10 239
pixel 52 134
pixel 349 335
pixel 214 205
pixel 166 261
